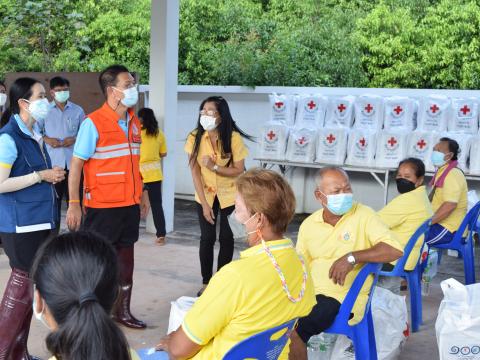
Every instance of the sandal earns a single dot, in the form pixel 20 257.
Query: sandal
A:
pixel 160 241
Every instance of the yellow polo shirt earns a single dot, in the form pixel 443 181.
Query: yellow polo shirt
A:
pixel 246 297
pixel 404 215
pixel 222 187
pixel 150 160
pixel 455 190
pixel 321 244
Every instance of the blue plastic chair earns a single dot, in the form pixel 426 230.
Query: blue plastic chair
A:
pixel 261 346
pixel 414 276
pixel 361 334
pixel 464 245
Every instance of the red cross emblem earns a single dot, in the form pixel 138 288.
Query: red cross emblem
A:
pixel 465 110
pixel 302 140
pixel 392 141
pixel 341 108
pixel 271 135
pixel 311 105
pixel 434 108
pixel 279 104
pixel 368 108
pixel 362 142
pixel 331 138
pixel 398 109
pixel 421 144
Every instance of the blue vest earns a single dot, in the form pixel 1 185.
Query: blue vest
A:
pixel 32 208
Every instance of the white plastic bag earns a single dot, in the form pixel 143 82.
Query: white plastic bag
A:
pixel 311 111
pixel 458 322
pixel 178 310
pixel 273 142
pixel 369 112
pixel 420 146
pixel 472 199
pixel 391 149
pixel 331 146
pixel 390 321
pixel 464 115
pixel 301 145
pixel 433 113
pixel 399 113
pixel 340 111
pixel 282 108
pixel 475 156
pixel 361 148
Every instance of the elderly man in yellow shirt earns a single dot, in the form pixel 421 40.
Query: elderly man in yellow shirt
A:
pixel 449 193
pixel 336 241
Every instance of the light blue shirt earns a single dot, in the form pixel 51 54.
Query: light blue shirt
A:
pixel 60 125
pixel 87 138
pixel 8 148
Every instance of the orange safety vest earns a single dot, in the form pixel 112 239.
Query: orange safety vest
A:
pixel 112 175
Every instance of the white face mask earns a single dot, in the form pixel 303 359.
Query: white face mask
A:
pixel 38 109
pixel 209 123
pixel 62 96
pixel 39 316
pixel 3 99
pixel 131 96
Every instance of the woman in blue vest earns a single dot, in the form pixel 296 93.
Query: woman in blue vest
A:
pixel 27 208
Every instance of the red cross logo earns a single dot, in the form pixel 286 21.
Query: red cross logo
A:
pixel 392 141
pixel 341 107
pixel 279 104
pixel 369 108
pixel 434 108
pixel 421 144
pixel 311 105
pixel 302 140
pixel 271 135
pixel 362 142
pixel 331 138
pixel 398 109
pixel 465 109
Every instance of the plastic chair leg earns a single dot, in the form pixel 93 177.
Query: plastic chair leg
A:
pixel 468 264
pixel 415 300
pixel 361 342
pixel 371 336
pixel 439 253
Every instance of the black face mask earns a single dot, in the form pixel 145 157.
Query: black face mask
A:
pixel 404 185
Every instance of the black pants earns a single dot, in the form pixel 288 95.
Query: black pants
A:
pixel 155 195
pixel 320 318
pixel 119 226
pixel 22 248
pixel 209 236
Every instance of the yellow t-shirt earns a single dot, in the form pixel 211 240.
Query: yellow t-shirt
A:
pixel 246 297
pixel 222 187
pixel 133 355
pixel 322 244
pixel 150 160
pixel 454 190
pixel 403 215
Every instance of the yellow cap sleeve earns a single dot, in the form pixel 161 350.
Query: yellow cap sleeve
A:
pixel 239 150
pixel 189 143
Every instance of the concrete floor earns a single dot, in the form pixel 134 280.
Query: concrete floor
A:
pixel 163 274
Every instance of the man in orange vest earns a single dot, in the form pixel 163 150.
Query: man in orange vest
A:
pixel 107 148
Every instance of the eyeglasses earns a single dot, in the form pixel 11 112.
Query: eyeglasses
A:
pixel 208 112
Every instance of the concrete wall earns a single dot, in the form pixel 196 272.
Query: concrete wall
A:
pixel 250 107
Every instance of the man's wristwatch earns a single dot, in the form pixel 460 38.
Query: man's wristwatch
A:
pixel 215 168
pixel 351 259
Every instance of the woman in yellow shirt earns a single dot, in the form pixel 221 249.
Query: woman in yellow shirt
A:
pixel 410 209
pixel 152 150
pixel 268 286
pixel 216 157
pixel 75 276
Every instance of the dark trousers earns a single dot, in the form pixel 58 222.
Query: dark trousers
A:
pixel 155 195
pixel 21 248
pixel 209 236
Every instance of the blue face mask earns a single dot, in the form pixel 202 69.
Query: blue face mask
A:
pixel 438 158
pixel 339 204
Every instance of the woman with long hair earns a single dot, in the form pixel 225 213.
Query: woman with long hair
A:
pixel 216 158
pixel 28 206
pixel 152 150
pixel 76 284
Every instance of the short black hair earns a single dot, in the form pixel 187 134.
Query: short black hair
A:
pixel 416 163
pixel 108 77
pixel 453 147
pixel 58 81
